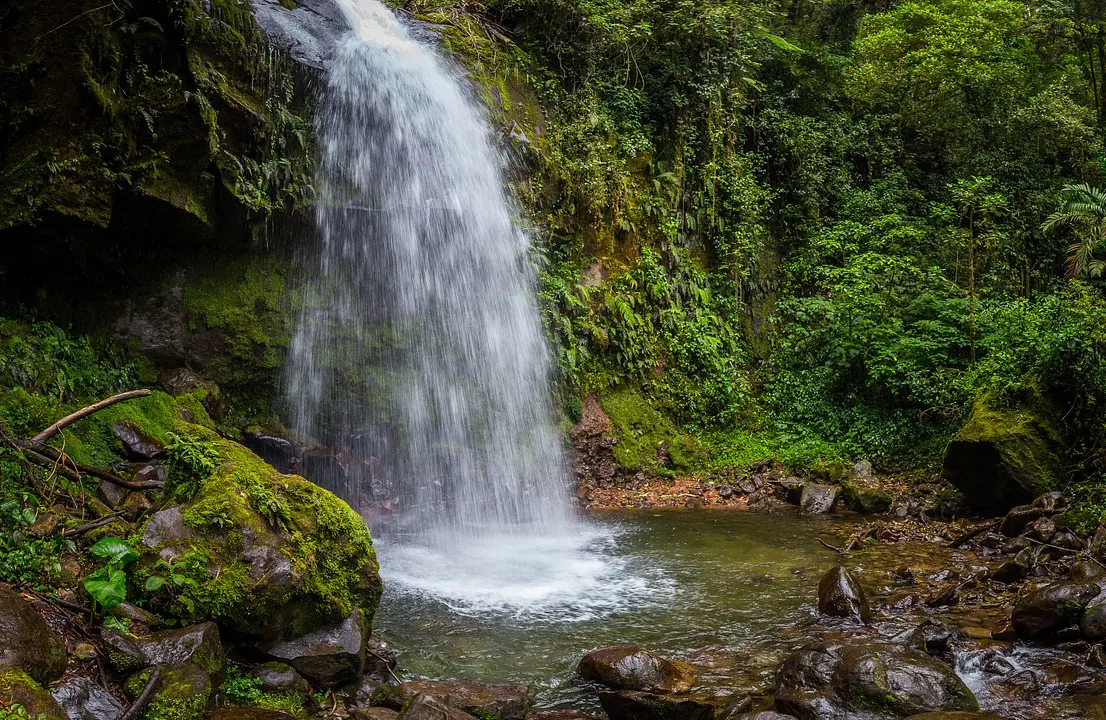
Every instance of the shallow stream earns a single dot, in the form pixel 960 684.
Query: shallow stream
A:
pixel 699 586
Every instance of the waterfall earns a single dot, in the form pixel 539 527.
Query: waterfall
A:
pixel 420 342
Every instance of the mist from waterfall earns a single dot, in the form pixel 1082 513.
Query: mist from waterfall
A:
pixel 423 287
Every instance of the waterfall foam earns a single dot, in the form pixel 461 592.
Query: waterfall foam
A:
pixel 423 282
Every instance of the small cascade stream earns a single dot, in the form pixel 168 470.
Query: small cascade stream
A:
pixel 423 286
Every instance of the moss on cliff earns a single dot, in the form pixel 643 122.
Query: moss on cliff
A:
pixel 647 439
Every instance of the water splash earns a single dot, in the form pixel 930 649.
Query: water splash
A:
pixel 423 285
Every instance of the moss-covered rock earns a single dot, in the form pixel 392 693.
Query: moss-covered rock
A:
pixel 27 643
pixel 273 556
pixel 646 438
pixel 18 690
pixel 1006 454
pixel 181 692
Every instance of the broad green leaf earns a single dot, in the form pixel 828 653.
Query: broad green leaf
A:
pixel 154 583
pixel 109 591
pixel 113 550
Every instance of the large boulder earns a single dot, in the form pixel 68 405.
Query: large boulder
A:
pixel 197 644
pixel 840 595
pixel 818 499
pixel 327 656
pixel 1006 453
pixel 839 679
pixel 428 708
pixel 284 557
pixel 1051 608
pixel 633 668
pixel 491 702
pixel 18 688
pixel 27 643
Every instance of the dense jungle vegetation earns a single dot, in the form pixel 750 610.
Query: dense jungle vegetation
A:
pixel 823 227
pixel 813 230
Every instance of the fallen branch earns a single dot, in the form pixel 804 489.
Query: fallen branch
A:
pixel 958 542
pixel 387 665
pixel 60 603
pixel 143 700
pixel 54 456
pixel 57 427
pixel 823 543
pixel 105 520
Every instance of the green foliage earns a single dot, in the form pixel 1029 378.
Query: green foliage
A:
pixel 107 584
pixel 191 461
pixel 23 556
pixel 1083 210
pixel 17 712
pixel 179 577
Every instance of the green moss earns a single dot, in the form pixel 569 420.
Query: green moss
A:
pixel 645 435
pixel 92 441
pixel 327 544
pixel 17 689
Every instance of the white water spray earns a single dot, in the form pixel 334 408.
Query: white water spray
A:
pixel 424 291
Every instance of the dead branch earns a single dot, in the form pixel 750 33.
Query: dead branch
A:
pixel 142 700
pixel 54 429
pixel 974 533
pixel 823 543
pixel 54 457
pixel 105 520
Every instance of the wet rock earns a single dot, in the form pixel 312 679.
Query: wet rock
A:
pixel 1067 540
pixel 134 614
pixel 834 680
pixel 1093 623
pixel 946 595
pixel 1096 658
pixel 954 716
pixel 112 493
pixel 764 715
pixel 1019 518
pixel 1058 676
pixel 277 451
pixel 82 699
pixel 181 692
pixel 635 705
pixel 1004 631
pixel 150 473
pixel 166 530
pixel 818 499
pixel 1051 502
pixel 790 489
pixel 197 644
pixel 1005 455
pixel 281 679
pixel 239 713
pixel 372 713
pixel 1051 608
pixel 1043 529
pixel 308 31
pixel 840 595
pixel 505 702
pixel 931 637
pixel 1021 685
pixel 137 445
pixel 1010 571
pixel 725 492
pixel 560 715
pixel 633 668
pixel 27 643
pixel 427 708
pixel 136 505
pixel 329 656
pixel 17 688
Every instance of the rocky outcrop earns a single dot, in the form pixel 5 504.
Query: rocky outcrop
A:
pixel 633 668
pixel 1005 454
pixel 27 643
pixel 180 692
pixel 886 680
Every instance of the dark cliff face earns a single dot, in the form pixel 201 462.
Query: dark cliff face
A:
pixel 129 130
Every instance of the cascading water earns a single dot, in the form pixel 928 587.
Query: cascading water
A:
pixel 423 287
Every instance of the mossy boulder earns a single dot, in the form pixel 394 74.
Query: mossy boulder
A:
pixel 197 644
pixel 18 690
pixel 27 643
pixel 1006 454
pixel 273 556
pixel 646 438
pixel 181 692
